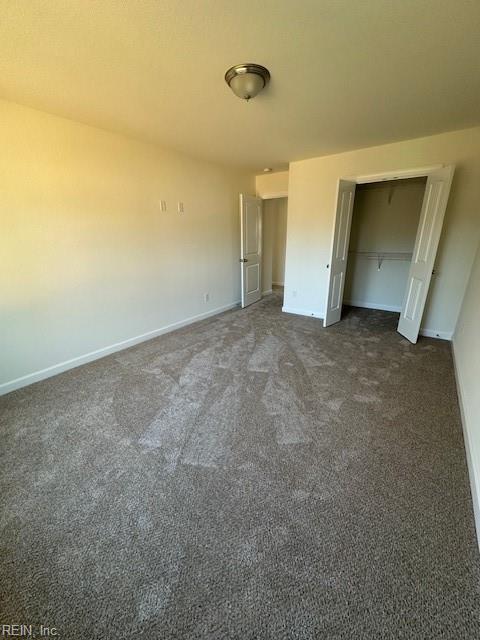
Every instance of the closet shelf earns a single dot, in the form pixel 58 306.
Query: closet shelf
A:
pixel 380 256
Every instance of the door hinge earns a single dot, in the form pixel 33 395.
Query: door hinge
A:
pixel 243 260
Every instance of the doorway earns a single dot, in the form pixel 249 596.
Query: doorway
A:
pixel 434 203
pixel 274 239
pixel 385 219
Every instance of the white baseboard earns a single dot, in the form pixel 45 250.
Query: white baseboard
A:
pixel 55 369
pixel 267 292
pixel 472 471
pixel 373 305
pixel 279 284
pixel 302 312
pixel 431 333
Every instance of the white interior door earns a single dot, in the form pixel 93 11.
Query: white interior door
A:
pixel 428 235
pixel 251 248
pixel 338 259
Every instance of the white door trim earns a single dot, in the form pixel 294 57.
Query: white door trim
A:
pixel 273 195
pixel 399 174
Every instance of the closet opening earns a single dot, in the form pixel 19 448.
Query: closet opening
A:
pixel 385 258
pixel 385 219
pixel 274 242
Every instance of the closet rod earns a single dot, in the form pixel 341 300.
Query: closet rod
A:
pixel 380 256
pixel 388 255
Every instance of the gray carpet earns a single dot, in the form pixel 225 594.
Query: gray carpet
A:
pixel 251 476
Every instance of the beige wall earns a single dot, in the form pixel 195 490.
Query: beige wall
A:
pixel 274 235
pixel 466 348
pixel 311 208
pixel 88 259
pixel 268 236
pixel 272 185
pixel 280 241
pixel 385 218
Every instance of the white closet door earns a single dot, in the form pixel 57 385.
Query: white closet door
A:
pixel 338 259
pixel 428 235
pixel 251 248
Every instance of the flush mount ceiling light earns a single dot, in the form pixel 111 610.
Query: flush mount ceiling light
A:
pixel 248 79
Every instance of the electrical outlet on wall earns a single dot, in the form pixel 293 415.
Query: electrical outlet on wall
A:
pixel 180 207
pixel 206 297
pixel 163 205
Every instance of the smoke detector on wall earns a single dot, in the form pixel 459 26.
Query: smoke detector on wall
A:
pixel 247 80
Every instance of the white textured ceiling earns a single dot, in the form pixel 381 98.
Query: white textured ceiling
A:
pixel 345 73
